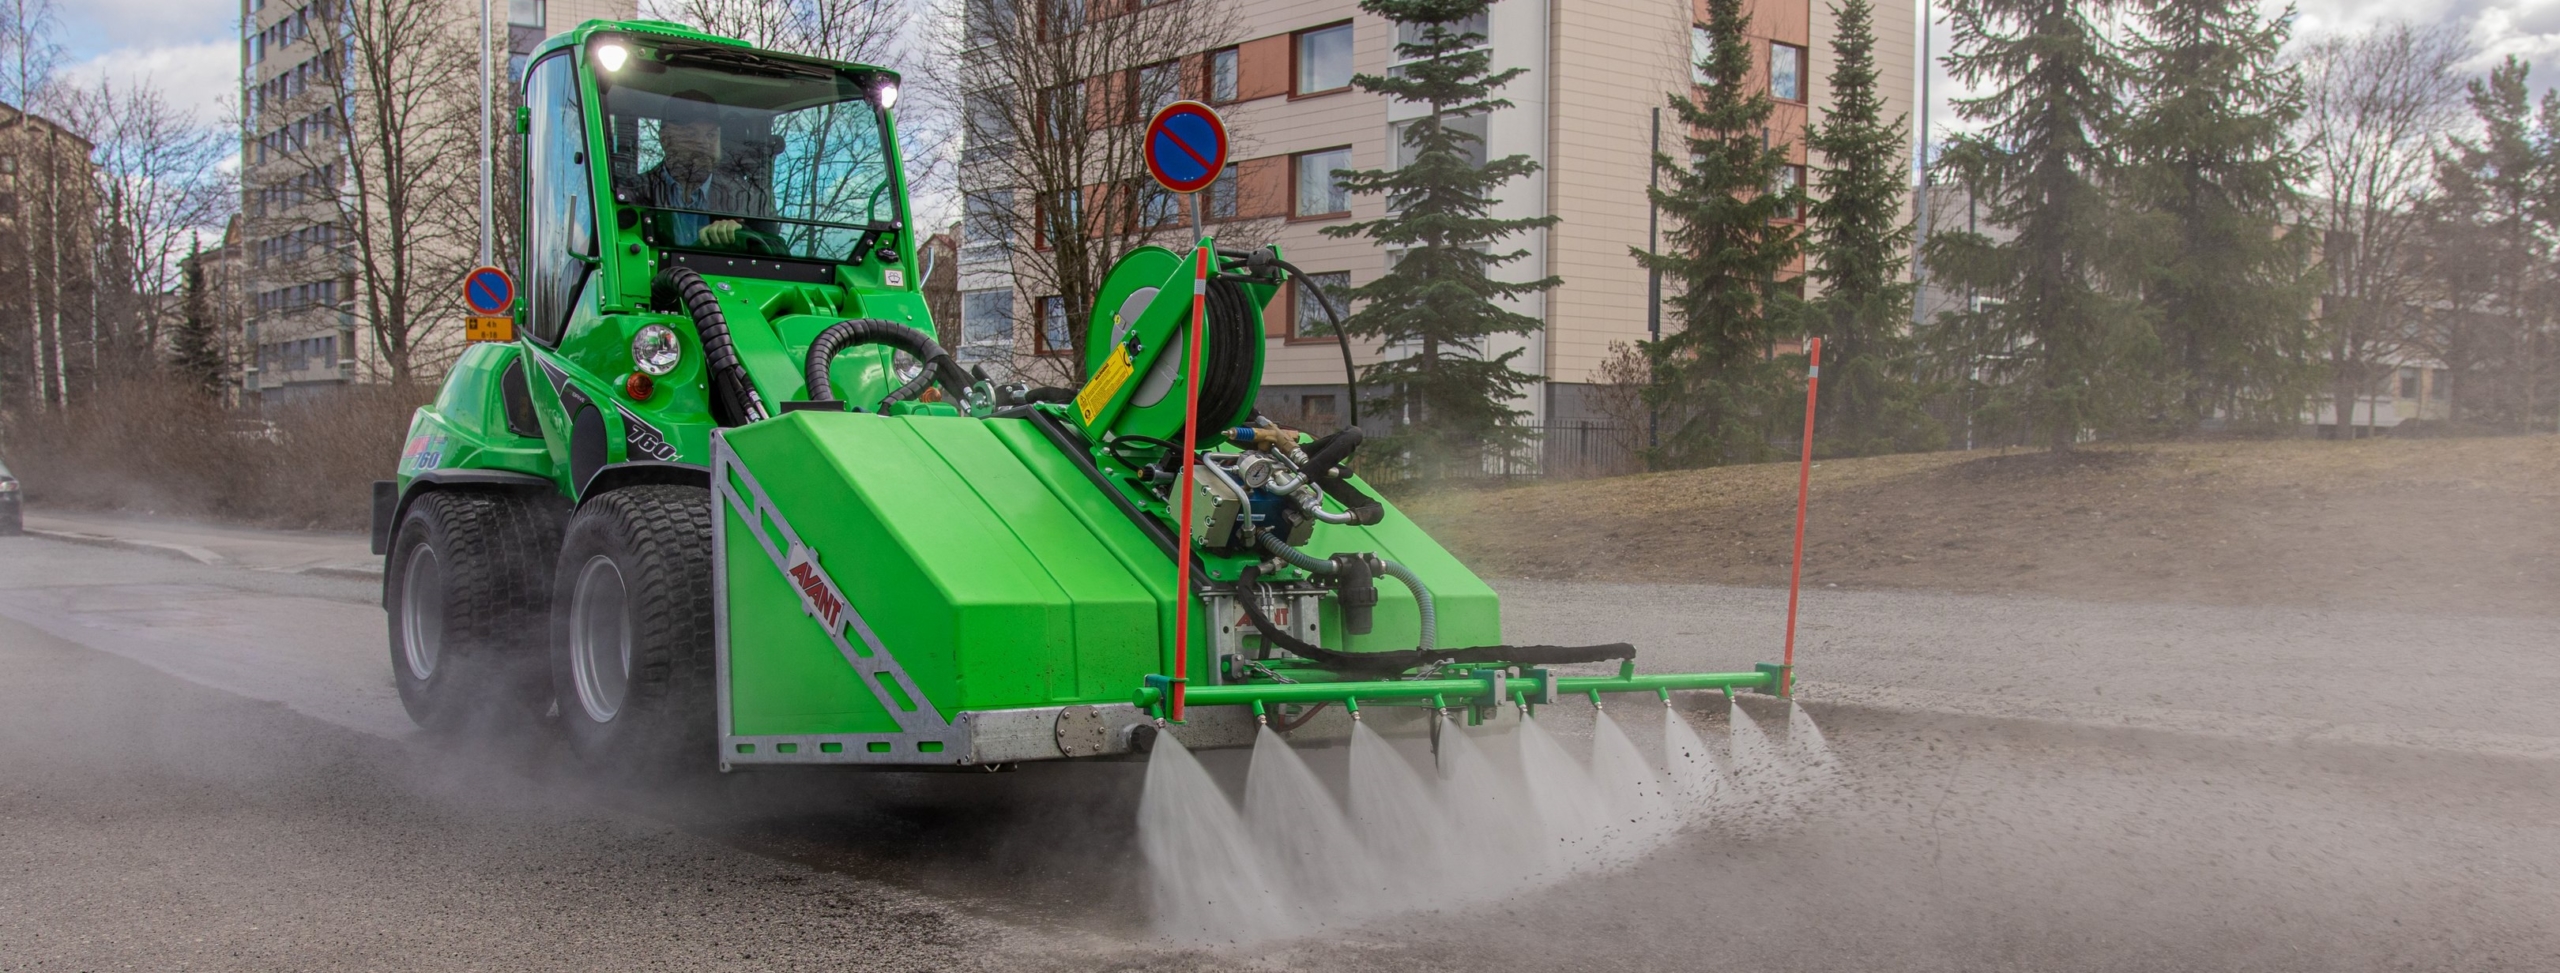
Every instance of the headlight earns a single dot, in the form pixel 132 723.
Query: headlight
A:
pixel 8 486
pixel 611 57
pixel 888 95
pixel 656 349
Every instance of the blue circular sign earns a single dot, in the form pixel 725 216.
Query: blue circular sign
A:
pixel 1186 146
pixel 489 290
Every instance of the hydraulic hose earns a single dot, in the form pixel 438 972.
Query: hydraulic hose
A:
pixel 1350 375
pixel 938 365
pixel 1421 601
pixel 1248 588
pixel 734 401
pixel 1316 565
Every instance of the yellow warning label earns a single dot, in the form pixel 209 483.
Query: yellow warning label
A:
pixel 1106 383
pixel 478 328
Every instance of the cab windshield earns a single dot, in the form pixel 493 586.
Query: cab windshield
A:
pixel 730 151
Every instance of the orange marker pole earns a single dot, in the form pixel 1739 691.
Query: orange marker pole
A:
pixel 1190 441
pixel 1804 492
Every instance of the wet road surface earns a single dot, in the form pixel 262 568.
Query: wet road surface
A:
pixel 204 767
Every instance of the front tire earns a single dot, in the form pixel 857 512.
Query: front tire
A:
pixel 469 600
pixel 631 630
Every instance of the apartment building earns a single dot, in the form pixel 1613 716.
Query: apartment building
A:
pixel 1585 110
pixel 299 292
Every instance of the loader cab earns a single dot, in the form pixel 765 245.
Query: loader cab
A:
pixel 646 150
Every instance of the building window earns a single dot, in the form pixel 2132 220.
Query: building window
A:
pixel 1478 24
pixel 1222 195
pixel 1473 125
pixel 525 13
pixel 1062 112
pixel 2409 383
pixel 1320 192
pixel 990 133
pixel 1157 85
pixel 1324 59
pixel 1157 206
pixel 986 323
pixel 2441 388
pixel 1700 48
pixel 1306 315
pixel 1062 17
pixel 1222 75
pixel 986 225
pixel 1791 179
pixel 1786 72
pixel 1061 217
pixel 988 21
pixel 1053 337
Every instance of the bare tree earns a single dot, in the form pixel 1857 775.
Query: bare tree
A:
pixel 2378 106
pixel 32 361
pixel 381 150
pixel 160 186
pixel 1054 96
pixel 862 31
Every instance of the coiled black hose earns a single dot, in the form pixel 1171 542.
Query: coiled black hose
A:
pixel 938 364
pixel 734 401
pixel 1226 369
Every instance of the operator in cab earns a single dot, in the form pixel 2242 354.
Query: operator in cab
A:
pixel 695 174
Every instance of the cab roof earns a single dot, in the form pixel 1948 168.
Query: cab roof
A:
pixel 577 37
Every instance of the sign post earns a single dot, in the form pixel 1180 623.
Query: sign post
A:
pixel 491 296
pixel 1186 149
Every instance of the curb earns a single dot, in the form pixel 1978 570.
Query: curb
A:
pixel 351 574
pixel 188 552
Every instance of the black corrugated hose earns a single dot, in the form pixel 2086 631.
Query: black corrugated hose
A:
pixel 734 401
pixel 938 365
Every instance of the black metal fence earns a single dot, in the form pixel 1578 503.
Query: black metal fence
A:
pixel 1568 450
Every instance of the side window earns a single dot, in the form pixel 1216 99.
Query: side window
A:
pixel 559 215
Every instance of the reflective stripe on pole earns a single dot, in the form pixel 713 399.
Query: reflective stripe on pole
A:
pixel 1804 492
pixel 1190 441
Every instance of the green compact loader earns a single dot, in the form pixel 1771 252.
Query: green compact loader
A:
pixel 724 501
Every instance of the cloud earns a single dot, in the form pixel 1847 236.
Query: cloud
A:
pixel 94 28
pixel 202 78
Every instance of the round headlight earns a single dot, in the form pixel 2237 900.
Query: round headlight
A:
pixel 656 349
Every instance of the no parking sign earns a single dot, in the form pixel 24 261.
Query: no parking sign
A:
pixel 491 295
pixel 1186 146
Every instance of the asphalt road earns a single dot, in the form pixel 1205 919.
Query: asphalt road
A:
pixel 204 767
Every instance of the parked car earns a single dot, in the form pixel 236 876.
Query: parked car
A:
pixel 12 516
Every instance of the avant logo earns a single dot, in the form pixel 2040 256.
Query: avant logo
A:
pixel 817 593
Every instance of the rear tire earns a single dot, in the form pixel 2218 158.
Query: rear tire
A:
pixel 631 630
pixel 468 592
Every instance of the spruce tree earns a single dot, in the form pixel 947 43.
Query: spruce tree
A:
pixel 1440 298
pixel 1716 388
pixel 1858 244
pixel 2211 170
pixel 195 349
pixel 2059 353
pixel 2487 255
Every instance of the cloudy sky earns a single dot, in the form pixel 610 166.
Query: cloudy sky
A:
pixel 2529 29
pixel 189 48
